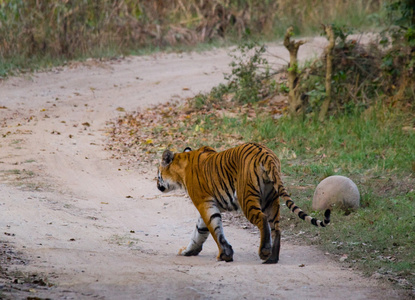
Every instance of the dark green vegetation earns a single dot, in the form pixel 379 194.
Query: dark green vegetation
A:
pixel 36 34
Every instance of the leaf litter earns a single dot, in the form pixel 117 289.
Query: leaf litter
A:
pixel 138 138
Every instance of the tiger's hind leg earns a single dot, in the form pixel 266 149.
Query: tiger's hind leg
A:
pixel 254 214
pixel 260 220
pixel 199 236
pixel 272 210
pixel 276 243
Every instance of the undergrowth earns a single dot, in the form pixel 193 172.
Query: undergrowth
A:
pixel 36 34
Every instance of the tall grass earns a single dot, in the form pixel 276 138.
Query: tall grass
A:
pixel 39 32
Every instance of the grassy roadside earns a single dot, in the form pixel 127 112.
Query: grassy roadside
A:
pixel 374 147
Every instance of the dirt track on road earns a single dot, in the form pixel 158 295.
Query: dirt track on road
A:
pixel 96 229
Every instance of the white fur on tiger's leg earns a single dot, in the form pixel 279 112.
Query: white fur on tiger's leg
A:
pixel 211 214
pixel 199 236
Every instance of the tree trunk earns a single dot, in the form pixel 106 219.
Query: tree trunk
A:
pixel 295 103
pixel 326 103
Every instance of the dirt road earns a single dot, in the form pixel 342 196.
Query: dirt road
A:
pixel 77 225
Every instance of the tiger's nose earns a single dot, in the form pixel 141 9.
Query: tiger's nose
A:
pixel 161 188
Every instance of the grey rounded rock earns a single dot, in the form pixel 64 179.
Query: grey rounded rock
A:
pixel 336 191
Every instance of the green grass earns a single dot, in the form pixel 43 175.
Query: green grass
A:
pixel 369 143
pixel 355 143
pixel 373 150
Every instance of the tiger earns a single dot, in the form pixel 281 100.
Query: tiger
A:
pixel 246 178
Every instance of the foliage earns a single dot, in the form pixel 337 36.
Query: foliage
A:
pixel 359 79
pixel 398 63
pixel 245 81
pixel 356 81
pixel 363 74
pixel 40 33
pixel 250 79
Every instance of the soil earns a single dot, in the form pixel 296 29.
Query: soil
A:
pixel 76 224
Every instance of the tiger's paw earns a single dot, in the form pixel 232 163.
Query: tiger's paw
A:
pixel 191 252
pixel 271 261
pixel 226 254
pixel 265 252
pixel 224 257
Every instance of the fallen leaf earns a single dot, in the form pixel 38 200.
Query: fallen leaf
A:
pixel 120 109
pixel 86 124
pixel 104 202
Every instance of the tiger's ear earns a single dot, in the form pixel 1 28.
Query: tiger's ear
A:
pixel 167 158
pixel 187 149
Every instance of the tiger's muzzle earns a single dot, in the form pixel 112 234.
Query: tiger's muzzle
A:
pixel 161 187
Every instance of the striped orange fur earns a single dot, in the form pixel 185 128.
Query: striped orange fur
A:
pixel 247 177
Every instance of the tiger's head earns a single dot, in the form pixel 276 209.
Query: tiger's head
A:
pixel 171 172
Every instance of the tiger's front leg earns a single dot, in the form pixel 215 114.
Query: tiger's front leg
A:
pixel 199 236
pixel 212 217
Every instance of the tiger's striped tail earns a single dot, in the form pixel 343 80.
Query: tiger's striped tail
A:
pixel 272 170
pixel 299 212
